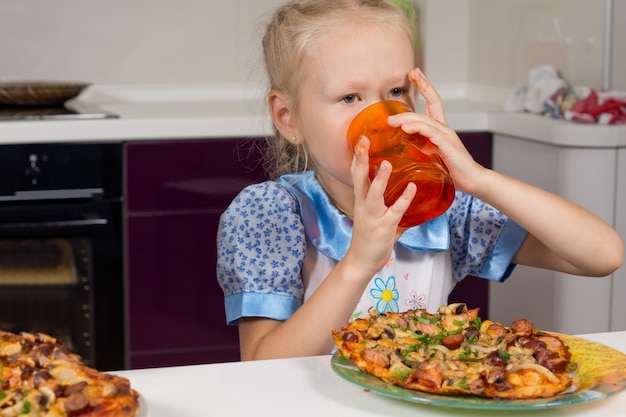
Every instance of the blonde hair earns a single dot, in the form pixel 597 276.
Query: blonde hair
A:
pixel 295 28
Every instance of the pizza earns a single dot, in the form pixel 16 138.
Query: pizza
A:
pixel 39 376
pixel 455 352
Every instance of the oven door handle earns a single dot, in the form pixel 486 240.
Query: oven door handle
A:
pixel 56 226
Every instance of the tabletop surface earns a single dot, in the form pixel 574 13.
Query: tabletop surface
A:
pixel 309 387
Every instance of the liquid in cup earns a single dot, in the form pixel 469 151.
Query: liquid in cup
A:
pixel 413 159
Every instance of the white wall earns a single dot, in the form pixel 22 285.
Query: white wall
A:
pixel 482 42
pixel 131 41
pixel 495 42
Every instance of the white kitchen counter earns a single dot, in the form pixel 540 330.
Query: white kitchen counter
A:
pixel 224 111
pixel 146 121
pixel 308 387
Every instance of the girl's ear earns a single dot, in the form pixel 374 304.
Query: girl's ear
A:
pixel 281 113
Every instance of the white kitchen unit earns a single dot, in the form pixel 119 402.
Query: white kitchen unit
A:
pixel 594 177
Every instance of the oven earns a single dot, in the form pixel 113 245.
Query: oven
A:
pixel 61 251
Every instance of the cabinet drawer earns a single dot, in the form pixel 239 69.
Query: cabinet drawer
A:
pixel 189 174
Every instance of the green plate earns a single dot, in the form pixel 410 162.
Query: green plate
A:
pixel 601 373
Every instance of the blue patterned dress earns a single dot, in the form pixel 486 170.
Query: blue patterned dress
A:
pixel 278 240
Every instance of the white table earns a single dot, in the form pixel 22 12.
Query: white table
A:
pixel 307 387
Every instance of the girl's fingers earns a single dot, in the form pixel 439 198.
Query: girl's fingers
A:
pixel 377 188
pixel 434 107
pixel 404 201
pixel 369 195
pixel 360 169
pixel 394 212
pixel 364 189
pixel 419 123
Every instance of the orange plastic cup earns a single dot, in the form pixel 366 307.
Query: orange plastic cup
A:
pixel 413 158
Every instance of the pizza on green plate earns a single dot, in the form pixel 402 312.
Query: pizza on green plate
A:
pixel 454 352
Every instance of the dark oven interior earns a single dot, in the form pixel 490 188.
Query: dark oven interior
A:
pixel 61 255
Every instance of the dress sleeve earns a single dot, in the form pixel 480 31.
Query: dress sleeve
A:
pixel 483 241
pixel 260 249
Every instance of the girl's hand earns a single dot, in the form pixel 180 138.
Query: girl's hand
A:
pixel 565 237
pixel 375 227
pixel 432 124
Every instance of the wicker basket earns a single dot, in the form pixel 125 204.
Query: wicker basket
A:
pixel 38 94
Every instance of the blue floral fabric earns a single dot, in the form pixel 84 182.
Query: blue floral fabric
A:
pixel 263 237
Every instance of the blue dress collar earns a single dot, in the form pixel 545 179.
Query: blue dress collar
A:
pixel 330 231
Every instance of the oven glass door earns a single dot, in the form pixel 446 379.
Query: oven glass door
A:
pixel 61 272
pixel 46 285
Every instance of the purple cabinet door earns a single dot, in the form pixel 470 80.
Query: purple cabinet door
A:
pixel 472 290
pixel 176 192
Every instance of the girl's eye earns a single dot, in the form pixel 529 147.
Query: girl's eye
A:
pixel 397 92
pixel 349 99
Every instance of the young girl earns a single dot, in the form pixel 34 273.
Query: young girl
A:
pixel 315 246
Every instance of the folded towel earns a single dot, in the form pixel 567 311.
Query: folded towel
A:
pixel 602 107
pixel 531 94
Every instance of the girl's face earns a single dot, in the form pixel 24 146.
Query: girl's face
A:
pixel 357 66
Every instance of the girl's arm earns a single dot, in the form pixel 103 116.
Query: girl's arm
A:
pixel 308 331
pixel 562 235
